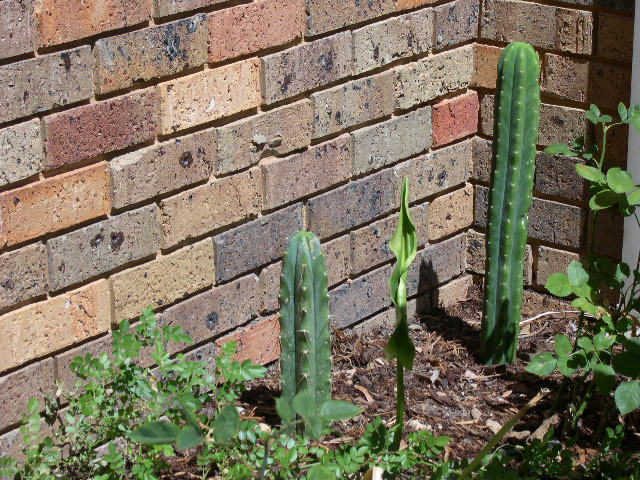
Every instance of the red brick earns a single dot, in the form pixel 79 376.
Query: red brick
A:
pixel 53 204
pixel 17 27
pixel 259 342
pixel 455 118
pixel 61 21
pixel 247 29
pixel 102 127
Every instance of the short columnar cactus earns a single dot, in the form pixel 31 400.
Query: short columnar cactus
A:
pixel 305 358
pixel 516 122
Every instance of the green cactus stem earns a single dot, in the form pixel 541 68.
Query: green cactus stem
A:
pixel 305 359
pixel 516 122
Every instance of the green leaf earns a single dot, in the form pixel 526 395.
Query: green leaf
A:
pixel 563 345
pixel 577 274
pixel 560 149
pixel 603 199
pixel 602 341
pixel 627 363
pixel 620 181
pixel 542 364
pixel 594 108
pixel 586 344
pixel 404 245
pixel 284 410
pixel 337 410
pixel 189 437
pixel 155 433
pixel 622 111
pixel 249 371
pixel 628 396
pixel 592 117
pixel 320 472
pixel 605 377
pixel 567 366
pixel 591 173
pixel 634 197
pixel 558 285
pixel 585 305
pixel 605 119
pixel 304 404
pixel 226 424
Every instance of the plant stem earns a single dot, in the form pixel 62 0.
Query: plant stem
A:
pixel 397 435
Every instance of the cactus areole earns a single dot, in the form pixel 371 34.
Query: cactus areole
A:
pixel 516 122
pixel 305 359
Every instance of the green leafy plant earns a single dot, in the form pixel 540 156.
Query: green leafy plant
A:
pixel 517 117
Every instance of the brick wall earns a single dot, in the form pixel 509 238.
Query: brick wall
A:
pixel 159 152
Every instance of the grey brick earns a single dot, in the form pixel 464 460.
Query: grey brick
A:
pixel 437 264
pixel 243 143
pixel 23 274
pixel 327 15
pixel 102 247
pixel 11 446
pixel 256 243
pixel 391 141
pixel 352 103
pixel 22 151
pixel 457 22
pixel 17 28
pixel 270 286
pixel 305 67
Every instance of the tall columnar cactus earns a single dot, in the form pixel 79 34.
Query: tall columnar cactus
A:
pixel 516 121
pixel 305 358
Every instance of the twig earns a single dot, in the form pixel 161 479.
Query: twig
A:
pixel 545 314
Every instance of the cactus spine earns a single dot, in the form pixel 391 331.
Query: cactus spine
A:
pixel 516 122
pixel 305 359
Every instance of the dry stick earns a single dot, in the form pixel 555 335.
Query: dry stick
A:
pixel 545 314
pixel 506 428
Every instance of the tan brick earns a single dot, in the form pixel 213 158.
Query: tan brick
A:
pixel 615 37
pixel 61 21
pixel 23 274
pixel 42 83
pixel 101 127
pixel 351 104
pixel 22 152
pixel 18 387
pixel 407 4
pixel 53 204
pixel 270 287
pixel 476 256
pixel 381 43
pixel 552 261
pixel 305 67
pixel 247 29
pixel 456 22
pixel 388 142
pixel 217 310
pixel 307 173
pixel 485 65
pixel 327 15
pixel 451 213
pixel 259 342
pixel 437 264
pixel 370 244
pixel 161 168
pixel 453 293
pixel 164 8
pixel 150 53
pixel 17 28
pixel 433 76
pixel 56 323
pixel 436 171
pixel 455 118
pixel 276 132
pixel 203 209
pixel 163 281
pixel 209 95
pixel 338 259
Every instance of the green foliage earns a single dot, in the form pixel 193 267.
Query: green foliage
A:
pixel 517 118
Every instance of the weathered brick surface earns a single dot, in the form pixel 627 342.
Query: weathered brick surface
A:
pixel 306 173
pixel 163 281
pixel 352 103
pixel 554 29
pixel 161 168
pixel 485 65
pixel 216 311
pixel 222 202
pixel 327 15
pixel 22 152
pixel 11 445
pixel 388 142
pixel 169 7
pixel 456 22
pixel 615 37
pixel 277 132
pixel 450 213
pixel 103 246
pixel 381 43
pixel 42 83
pixel 476 256
pixel 620 5
pixel 256 243
pixel 209 95
pixel 17 28
pixel 150 53
pixel 586 81
pixel 370 244
pixel 455 118
pixel 608 227
pixel 433 76
pixel 258 342
pixel 452 293
pixel 437 264
pixel 23 274
pixel 406 4
pixel 387 318
pixel 61 21
pixel 247 29
pixel 352 204
pixel 305 67
pixel 101 127
pixel 270 287
pixel 17 388
pixel 550 261
pixel 59 322
pixel 436 171
pixel 53 204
